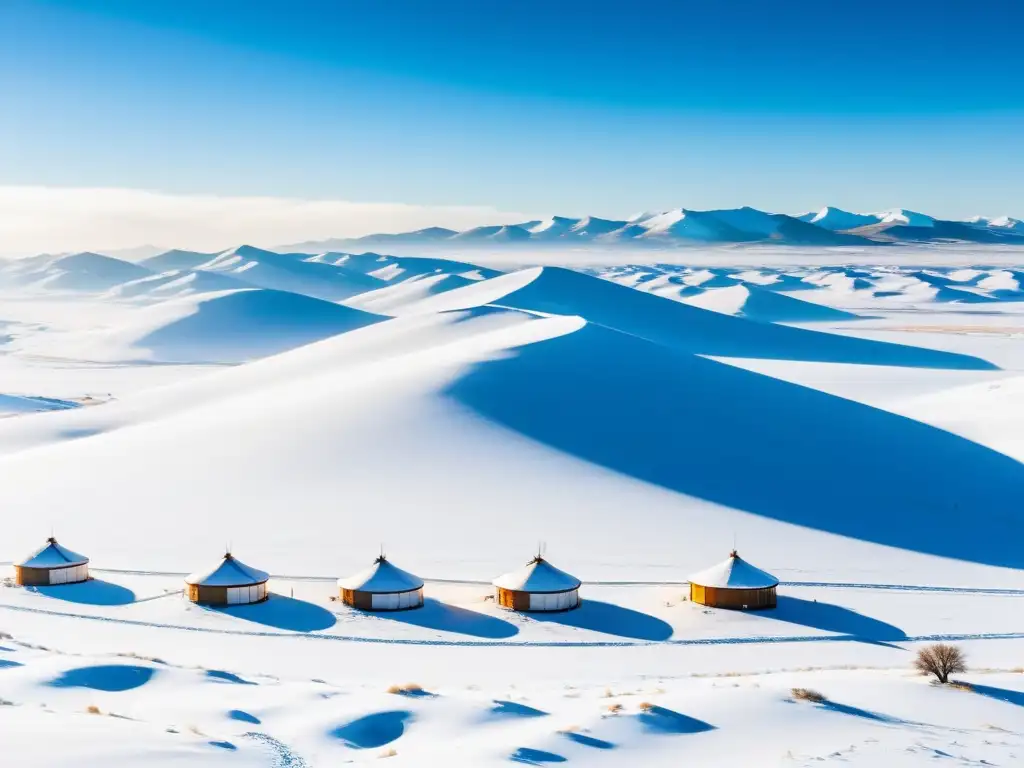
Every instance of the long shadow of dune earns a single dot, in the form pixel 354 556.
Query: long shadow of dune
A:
pixel 531 756
pixel 866 714
pixel 513 709
pixel 834 618
pixel 106 677
pixel 805 457
pixel 1002 694
pixel 588 741
pixel 450 618
pixel 701 331
pixel 662 720
pixel 284 613
pixel 91 592
pixel 610 619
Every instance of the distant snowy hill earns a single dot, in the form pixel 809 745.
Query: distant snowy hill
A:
pixel 683 226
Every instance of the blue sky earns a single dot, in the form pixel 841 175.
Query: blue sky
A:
pixel 535 107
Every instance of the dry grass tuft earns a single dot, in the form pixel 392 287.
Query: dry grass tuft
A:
pixel 646 706
pixel 6 636
pixel 614 708
pixel 569 729
pixel 961 686
pixel 92 709
pixel 406 690
pixel 808 694
pixel 389 752
pixel 608 693
pixel 6 703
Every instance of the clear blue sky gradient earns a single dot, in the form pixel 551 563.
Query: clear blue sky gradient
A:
pixel 556 106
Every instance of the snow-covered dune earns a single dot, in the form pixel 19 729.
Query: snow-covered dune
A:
pixel 176 259
pixel 755 303
pixel 77 272
pixel 174 283
pixel 218 327
pixel 691 329
pixel 288 272
pixel 409 427
pixel 392 298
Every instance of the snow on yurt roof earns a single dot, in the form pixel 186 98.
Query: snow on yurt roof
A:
pixel 382 577
pixel 734 573
pixel 538 576
pixel 53 555
pixel 229 572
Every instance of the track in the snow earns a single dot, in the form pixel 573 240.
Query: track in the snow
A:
pixel 753 640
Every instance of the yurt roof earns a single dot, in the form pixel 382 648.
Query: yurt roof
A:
pixel 538 576
pixel 53 555
pixel 734 573
pixel 229 572
pixel 382 577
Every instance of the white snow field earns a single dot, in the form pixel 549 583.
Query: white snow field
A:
pixel 853 428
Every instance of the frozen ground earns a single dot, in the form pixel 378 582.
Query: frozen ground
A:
pixel 855 429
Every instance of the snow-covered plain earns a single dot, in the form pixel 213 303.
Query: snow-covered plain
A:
pixel 852 426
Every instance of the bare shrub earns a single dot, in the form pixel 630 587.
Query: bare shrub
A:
pixel 6 636
pixel 941 660
pixel 808 694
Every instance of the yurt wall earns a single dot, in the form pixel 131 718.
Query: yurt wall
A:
pixel 557 601
pixel 750 599
pixel 40 577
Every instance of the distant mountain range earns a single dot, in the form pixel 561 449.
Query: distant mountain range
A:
pixel 681 226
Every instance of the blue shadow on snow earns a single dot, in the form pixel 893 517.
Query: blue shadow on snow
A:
pixel 503 709
pixel 243 717
pixel 662 720
pixel 588 741
pixel 833 618
pixel 91 592
pixel 610 619
pixel 529 756
pixel 451 618
pixel 1002 694
pixel 283 612
pixel 805 457
pixel 111 678
pixel 374 730
pixel 227 677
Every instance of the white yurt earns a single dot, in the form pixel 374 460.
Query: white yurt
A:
pixel 734 583
pixel 230 582
pixel 538 586
pixel 382 587
pixel 51 564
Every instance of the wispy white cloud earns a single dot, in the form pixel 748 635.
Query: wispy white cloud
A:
pixel 56 219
